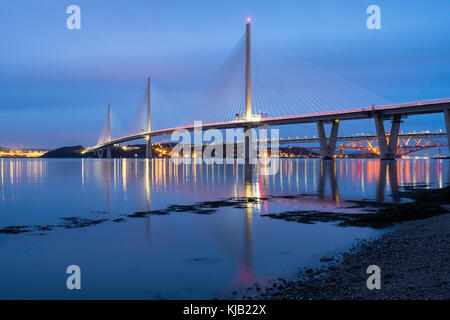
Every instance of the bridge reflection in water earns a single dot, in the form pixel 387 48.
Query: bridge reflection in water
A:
pixel 317 182
pixel 247 245
pixel 313 176
pixel 331 181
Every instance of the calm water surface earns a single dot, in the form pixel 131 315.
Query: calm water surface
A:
pixel 181 255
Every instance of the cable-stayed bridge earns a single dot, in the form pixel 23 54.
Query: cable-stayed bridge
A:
pixel 240 103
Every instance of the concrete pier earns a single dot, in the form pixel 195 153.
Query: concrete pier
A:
pixel 328 146
pixel 388 144
pixel 447 126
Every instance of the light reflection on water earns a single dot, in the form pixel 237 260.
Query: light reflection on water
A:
pixel 181 255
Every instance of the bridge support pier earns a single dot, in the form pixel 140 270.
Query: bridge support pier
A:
pixel 249 150
pixel 328 146
pixel 99 153
pixel 148 148
pixel 108 152
pixel 388 146
pixel 447 126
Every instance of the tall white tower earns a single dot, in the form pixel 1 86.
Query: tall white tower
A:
pixel 248 77
pixel 108 132
pixel 148 150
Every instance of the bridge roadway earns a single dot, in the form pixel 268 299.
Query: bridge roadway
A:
pixel 380 113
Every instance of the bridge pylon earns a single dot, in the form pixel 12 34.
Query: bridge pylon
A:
pixel 108 132
pixel 248 141
pixel 248 75
pixel 148 148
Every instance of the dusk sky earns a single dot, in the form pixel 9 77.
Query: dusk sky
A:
pixel 55 83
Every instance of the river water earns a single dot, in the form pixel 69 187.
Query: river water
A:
pixel 186 254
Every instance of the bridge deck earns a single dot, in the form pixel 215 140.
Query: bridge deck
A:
pixel 406 109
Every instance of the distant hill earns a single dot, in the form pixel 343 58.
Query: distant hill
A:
pixel 65 152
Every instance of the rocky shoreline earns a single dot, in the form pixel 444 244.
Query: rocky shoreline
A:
pixel 414 259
